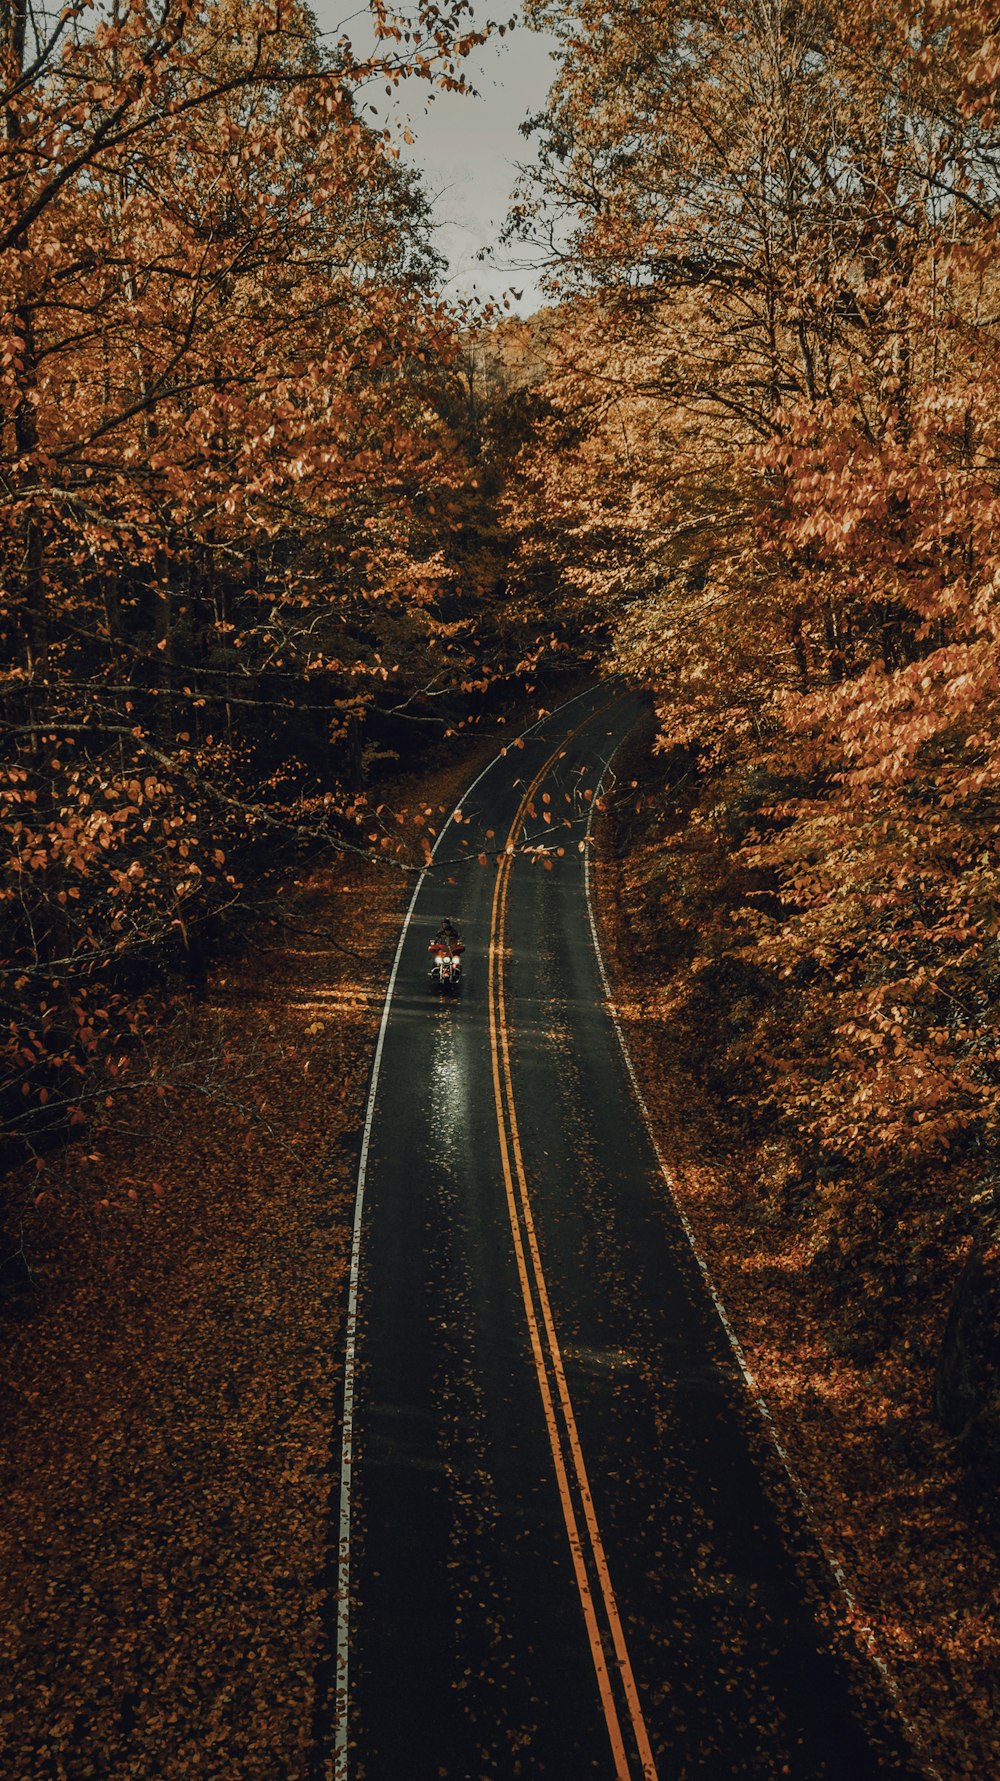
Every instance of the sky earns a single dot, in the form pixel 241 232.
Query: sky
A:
pixel 467 149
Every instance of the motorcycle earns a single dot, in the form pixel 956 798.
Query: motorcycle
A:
pixel 446 969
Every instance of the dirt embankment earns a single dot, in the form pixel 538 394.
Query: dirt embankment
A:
pixel 842 1327
pixel 171 1386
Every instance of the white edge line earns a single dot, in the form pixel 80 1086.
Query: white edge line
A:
pixel 749 1380
pixel 341 1681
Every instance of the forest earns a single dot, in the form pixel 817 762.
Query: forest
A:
pixel 782 331
pixel 279 523
pixel 243 546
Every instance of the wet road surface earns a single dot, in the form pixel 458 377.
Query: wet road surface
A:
pixel 571 1549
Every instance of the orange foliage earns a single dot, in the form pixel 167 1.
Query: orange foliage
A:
pixel 228 473
pixel 771 458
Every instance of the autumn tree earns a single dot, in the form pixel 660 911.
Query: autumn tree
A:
pixel 227 481
pixel 774 229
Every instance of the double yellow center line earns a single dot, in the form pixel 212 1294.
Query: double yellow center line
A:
pixel 606 1637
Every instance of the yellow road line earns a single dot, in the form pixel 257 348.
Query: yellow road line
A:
pixel 529 1253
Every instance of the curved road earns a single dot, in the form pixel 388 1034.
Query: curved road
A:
pixel 568 1549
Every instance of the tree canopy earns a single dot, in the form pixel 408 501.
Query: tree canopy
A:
pixel 772 455
pixel 231 483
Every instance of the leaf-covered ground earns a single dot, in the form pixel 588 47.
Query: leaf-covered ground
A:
pixel 171 1390
pixel 856 1419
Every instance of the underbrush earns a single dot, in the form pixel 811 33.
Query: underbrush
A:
pixel 864 1296
pixel 885 1229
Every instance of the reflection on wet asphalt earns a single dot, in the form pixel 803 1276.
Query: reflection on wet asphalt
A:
pixel 448 1087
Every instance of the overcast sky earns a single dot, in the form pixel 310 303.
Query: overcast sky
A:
pixel 468 148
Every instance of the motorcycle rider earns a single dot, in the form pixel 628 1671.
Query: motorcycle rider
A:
pixel 447 939
pixel 446 956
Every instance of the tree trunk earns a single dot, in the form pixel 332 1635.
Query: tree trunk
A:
pixel 968 1371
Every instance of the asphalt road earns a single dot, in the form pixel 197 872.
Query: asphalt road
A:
pixel 571 1548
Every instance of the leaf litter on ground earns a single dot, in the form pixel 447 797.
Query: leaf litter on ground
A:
pixel 171 1394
